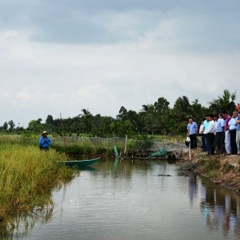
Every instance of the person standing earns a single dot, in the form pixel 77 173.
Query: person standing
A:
pixel 192 129
pixel 227 118
pixel 209 131
pixel 201 128
pixel 206 123
pixel 219 136
pixel 233 130
pixel 44 141
pixel 238 130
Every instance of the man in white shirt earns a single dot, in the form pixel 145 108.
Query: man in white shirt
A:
pixel 201 129
pixel 209 131
pixel 219 135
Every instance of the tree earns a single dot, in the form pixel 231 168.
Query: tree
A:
pixel 117 128
pixel 39 121
pixel 182 108
pixel 223 103
pixel 5 126
pixel 101 126
pixel 86 117
pixel 198 111
pixel 162 111
pixel 35 125
pixel 11 125
pixel 180 113
pixel 49 120
pixel 122 114
pixel 148 118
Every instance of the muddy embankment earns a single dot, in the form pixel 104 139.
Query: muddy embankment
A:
pixel 222 169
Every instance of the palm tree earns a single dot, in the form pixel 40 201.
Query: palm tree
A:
pixel 86 117
pixel 224 103
pixel 148 117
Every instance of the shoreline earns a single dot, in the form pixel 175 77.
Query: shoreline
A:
pixel 222 169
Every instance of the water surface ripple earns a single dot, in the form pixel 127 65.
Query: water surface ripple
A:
pixel 133 201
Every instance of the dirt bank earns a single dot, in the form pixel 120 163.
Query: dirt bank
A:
pixel 221 169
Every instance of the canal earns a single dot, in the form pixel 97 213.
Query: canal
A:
pixel 137 200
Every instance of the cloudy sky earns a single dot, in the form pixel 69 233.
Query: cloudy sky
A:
pixel 62 56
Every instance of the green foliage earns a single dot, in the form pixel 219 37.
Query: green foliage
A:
pixel 224 102
pixel 11 125
pixel 143 142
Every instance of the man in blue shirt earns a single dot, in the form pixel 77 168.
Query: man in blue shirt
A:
pixel 192 129
pixel 44 141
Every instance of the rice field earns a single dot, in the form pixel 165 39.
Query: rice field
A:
pixel 27 177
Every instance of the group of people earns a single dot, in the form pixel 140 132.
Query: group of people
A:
pixel 219 133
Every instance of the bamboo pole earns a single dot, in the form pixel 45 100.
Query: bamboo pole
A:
pixel 189 150
pixel 125 149
pixel 64 140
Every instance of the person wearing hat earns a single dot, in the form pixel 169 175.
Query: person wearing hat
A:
pixel 44 141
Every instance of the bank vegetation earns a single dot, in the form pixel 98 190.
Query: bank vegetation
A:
pixel 27 177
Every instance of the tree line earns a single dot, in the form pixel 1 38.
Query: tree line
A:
pixel 156 118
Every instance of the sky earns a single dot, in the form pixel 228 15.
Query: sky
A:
pixel 59 57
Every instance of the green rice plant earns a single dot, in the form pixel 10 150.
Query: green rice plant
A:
pixel 28 175
pixel 11 139
pixel 26 139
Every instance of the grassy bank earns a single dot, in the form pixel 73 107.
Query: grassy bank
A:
pixel 223 169
pixel 86 146
pixel 27 176
pixel 70 145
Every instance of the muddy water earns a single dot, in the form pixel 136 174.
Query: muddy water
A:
pixel 140 200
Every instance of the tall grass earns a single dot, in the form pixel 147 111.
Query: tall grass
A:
pixel 27 176
pixel 86 146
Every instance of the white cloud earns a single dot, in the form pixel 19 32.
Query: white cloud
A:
pixel 143 54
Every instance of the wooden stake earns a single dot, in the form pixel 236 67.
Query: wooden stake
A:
pixel 64 140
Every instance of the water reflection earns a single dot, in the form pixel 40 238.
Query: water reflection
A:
pixel 221 209
pixel 121 168
pixel 20 224
pixel 115 164
pixel 85 168
pixel 192 187
pixel 119 200
pixel 17 225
